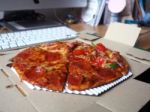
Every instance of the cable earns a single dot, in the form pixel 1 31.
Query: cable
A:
pixel 60 20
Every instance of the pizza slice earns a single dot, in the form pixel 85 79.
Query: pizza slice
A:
pixel 27 58
pixel 41 68
pixel 82 75
pixel 50 77
pixel 82 51
pixel 59 49
pixel 107 58
pixel 79 75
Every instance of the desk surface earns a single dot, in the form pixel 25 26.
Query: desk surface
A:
pixel 3 29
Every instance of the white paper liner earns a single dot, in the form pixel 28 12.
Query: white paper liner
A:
pixel 94 91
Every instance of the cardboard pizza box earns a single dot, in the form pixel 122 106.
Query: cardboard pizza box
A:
pixel 128 96
pixel 4 81
pixel 11 100
pixel 45 101
pixel 131 95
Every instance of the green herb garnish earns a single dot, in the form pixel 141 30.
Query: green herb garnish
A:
pixel 111 65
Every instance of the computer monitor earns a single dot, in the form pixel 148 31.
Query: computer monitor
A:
pixel 10 6
pixel 13 5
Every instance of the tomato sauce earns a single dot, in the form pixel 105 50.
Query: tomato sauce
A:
pixel 52 56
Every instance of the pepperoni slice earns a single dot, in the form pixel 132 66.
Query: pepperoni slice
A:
pixel 75 79
pixel 98 61
pixel 25 54
pixel 52 56
pixel 79 52
pixel 35 72
pixel 100 47
pixel 21 66
pixel 106 73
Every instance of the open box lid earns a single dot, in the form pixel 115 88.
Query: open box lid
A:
pixel 124 36
pixel 123 33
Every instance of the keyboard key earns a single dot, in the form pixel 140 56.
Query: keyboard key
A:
pixel 5 47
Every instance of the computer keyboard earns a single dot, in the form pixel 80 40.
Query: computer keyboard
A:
pixel 20 39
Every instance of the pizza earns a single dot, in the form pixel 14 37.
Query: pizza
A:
pixel 75 65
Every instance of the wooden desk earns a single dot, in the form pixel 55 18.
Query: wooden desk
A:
pixel 3 29
pixel 143 41
pixel 101 29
